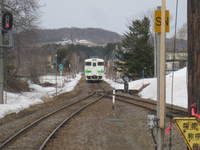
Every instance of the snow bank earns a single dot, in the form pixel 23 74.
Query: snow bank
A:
pixel 53 79
pixel 179 91
pixel 17 102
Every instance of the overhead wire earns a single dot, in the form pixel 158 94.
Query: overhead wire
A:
pixel 173 68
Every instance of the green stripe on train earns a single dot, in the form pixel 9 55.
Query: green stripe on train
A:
pixel 88 71
pixel 100 71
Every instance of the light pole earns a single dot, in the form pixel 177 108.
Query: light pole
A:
pixel 6 23
pixel 56 74
pixel 143 75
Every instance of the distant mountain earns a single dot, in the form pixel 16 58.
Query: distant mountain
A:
pixel 95 35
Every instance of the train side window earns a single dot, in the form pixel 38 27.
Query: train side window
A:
pixel 88 63
pixel 100 63
pixel 94 64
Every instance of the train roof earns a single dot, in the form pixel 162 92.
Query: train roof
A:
pixel 94 59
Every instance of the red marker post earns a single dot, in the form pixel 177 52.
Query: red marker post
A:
pixel 194 111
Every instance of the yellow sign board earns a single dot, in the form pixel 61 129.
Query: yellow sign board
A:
pixel 190 129
pixel 157 21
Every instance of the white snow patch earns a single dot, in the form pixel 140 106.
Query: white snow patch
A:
pixel 179 92
pixel 20 101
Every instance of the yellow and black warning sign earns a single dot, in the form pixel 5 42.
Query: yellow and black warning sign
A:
pixel 190 129
pixel 157 21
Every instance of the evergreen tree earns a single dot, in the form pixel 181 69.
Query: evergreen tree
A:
pixel 136 54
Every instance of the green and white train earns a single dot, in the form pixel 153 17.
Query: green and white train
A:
pixel 94 69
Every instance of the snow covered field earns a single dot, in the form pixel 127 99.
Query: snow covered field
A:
pixel 180 87
pixel 17 102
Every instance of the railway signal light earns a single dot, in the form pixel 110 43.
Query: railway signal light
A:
pixel 7 21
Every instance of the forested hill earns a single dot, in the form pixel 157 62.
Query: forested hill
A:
pixel 95 35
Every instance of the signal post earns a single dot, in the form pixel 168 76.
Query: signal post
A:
pixel 6 23
pixel 1 55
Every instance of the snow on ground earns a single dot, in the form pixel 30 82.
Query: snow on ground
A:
pixel 180 87
pixel 17 102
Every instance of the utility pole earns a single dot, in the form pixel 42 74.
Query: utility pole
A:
pixel 1 56
pixel 193 54
pixel 161 81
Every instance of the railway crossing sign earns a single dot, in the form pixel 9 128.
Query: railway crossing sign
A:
pixel 190 129
pixel 157 21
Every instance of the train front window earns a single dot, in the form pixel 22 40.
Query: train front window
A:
pixel 88 63
pixel 94 64
pixel 100 63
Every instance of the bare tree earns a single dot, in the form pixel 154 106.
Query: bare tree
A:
pixel 182 32
pixel 25 13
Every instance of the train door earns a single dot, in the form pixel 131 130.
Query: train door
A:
pixel 95 68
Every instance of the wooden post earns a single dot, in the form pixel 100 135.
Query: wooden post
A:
pixel 161 80
pixel 193 54
pixel 162 66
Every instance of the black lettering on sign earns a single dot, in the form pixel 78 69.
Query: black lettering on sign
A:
pixel 158 21
pixel 167 21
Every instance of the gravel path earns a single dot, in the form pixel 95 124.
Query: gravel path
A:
pixel 101 128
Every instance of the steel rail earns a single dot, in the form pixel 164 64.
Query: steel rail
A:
pixel 135 98
pixel 151 106
pixel 32 124
pixel 168 114
pixel 67 120
pixel 176 109
pixel 136 103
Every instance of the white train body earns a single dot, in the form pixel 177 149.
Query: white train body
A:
pixel 94 69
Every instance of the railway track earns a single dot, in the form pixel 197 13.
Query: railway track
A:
pixel 99 87
pixel 64 113
pixel 151 105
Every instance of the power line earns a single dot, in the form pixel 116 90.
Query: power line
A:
pixel 173 68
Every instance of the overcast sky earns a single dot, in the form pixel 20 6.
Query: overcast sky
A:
pixel 112 15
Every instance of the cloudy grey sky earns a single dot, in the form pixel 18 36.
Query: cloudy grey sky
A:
pixel 112 15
